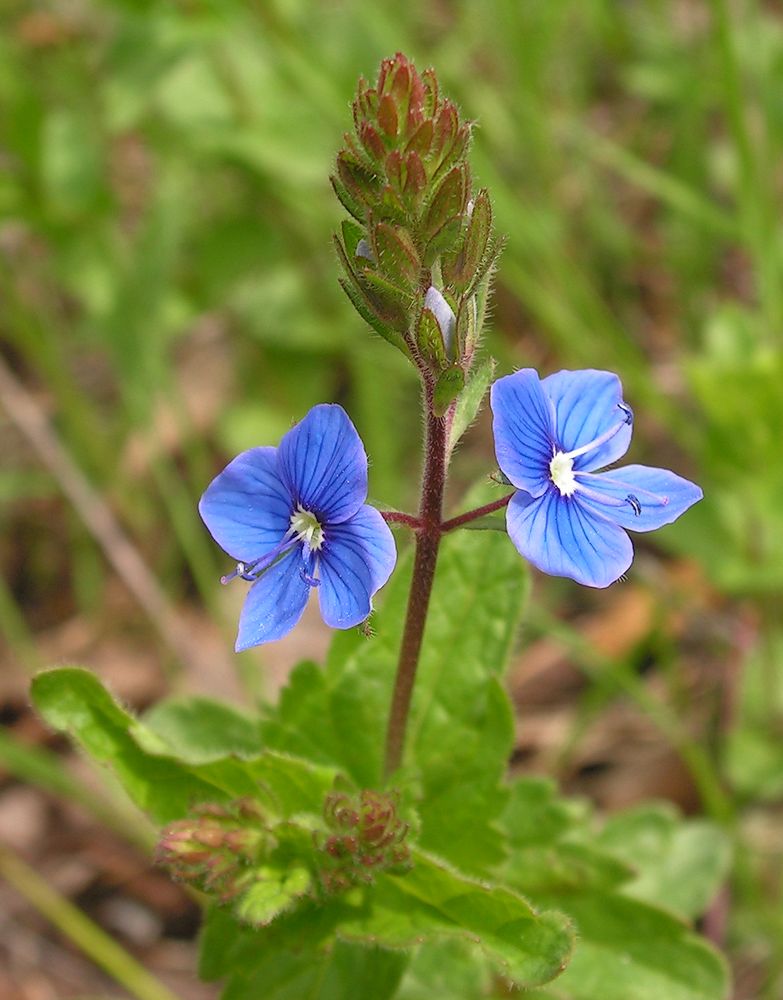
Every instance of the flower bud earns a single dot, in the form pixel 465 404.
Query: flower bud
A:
pixel 211 848
pixel 405 180
pixel 373 841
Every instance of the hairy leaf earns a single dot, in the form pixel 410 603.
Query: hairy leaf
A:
pixel 471 398
pixel 74 701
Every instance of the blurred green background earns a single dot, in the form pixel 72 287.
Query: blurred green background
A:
pixel 168 297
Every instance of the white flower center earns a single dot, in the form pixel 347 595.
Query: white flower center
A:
pixel 561 469
pixel 307 528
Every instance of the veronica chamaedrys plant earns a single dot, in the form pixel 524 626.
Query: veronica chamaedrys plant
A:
pixel 295 518
pixel 341 865
pixel 551 435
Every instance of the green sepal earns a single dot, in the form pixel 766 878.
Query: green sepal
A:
pixel 466 326
pixel 429 339
pixel 352 235
pixel 361 184
pixel 448 386
pixel 446 125
pixel 395 254
pixel 471 398
pixel 352 205
pixel 361 303
pixel 415 177
pixel 468 264
pixel 395 302
pixel 442 241
pixel 391 206
pixel 421 140
pixel 447 203
pixel 479 231
pixel 454 153
pixel 383 315
pixel 387 116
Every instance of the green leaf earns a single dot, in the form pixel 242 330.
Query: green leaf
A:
pixel 470 399
pixel 449 969
pixel 272 891
pixel 432 901
pixel 262 963
pixel 680 864
pixel 449 385
pixel 628 950
pixel 74 701
pixel 199 730
pixel 551 844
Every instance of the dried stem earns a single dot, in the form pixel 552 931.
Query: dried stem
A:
pixel 25 413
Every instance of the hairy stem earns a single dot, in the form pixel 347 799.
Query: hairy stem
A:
pixel 475 514
pixel 428 535
pixel 397 517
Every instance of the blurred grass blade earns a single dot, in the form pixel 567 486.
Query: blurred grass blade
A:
pixel 44 769
pixel 82 931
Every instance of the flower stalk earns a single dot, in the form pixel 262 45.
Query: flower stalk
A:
pixel 425 560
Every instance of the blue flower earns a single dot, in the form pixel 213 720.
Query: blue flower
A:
pixel 295 518
pixel 551 437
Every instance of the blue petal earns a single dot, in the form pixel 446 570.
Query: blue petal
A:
pixel 357 558
pixel 322 460
pixel 246 507
pixel 563 538
pixel 586 406
pixel 661 495
pixel 523 425
pixel 274 604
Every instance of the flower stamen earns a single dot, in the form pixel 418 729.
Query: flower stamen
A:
pixel 251 571
pixel 606 436
pixel 561 472
pixel 307 528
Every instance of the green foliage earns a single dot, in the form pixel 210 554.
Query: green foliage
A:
pixel 482 842
pixel 200 730
pixel 605 881
pixel 161 782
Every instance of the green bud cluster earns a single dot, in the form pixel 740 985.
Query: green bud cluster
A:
pixel 404 178
pixel 366 836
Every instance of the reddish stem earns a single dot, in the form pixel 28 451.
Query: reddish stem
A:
pixel 397 517
pixel 475 514
pixel 426 556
